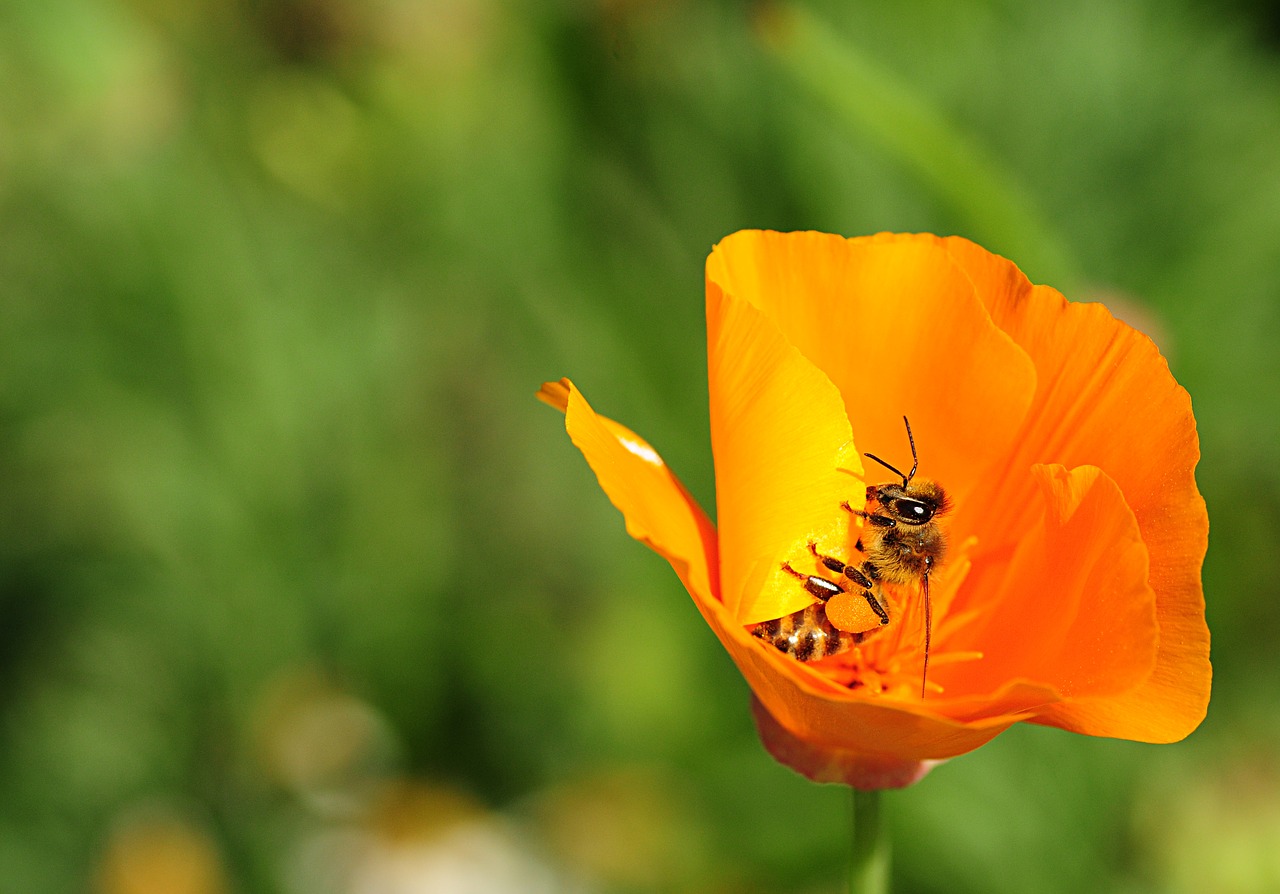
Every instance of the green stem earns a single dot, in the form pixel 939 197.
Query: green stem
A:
pixel 869 872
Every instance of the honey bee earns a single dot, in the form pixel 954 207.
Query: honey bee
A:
pixel 902 545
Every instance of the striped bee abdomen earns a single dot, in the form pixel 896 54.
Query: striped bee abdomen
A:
pixel 805 635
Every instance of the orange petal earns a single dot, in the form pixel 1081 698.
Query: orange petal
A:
pixel 823 764
pixel 817 710
pixel 658 510
pixel 1106 398
pixel 894 323
pixel 777 428
pixel 1072 609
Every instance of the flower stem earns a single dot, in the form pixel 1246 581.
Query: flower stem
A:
pixel 869 872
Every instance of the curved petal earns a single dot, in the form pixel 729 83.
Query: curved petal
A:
pixel 658 511
pixel 811 707
pixel 1106 398
pixel 777 429
pixel 823 764
pixel 1072 609
pixel 936 358
pixel 815 709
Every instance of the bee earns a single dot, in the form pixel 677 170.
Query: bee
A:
pixel 902 544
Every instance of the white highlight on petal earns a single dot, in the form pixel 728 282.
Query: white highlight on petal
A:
pixel 644 451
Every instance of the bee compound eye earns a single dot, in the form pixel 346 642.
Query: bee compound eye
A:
pixel 914 510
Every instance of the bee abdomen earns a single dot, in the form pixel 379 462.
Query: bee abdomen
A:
pixel 805 635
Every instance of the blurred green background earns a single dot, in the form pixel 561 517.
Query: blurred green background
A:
pixel 302 591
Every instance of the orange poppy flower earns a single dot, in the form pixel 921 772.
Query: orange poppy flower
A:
pixel 1070 595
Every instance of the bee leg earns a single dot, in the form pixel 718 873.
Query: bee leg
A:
pixel 817 587
pixel 831 563
pixel 847 508
pixel 876 606
pixel 858 577
pixel 879 521
pixel 852 572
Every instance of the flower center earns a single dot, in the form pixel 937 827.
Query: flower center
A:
pixel 888 661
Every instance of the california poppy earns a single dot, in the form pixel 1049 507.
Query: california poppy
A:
pixel 1070 595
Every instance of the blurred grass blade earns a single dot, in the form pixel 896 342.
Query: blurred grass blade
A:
pixel 881 106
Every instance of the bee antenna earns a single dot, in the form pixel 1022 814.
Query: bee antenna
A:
pixel 915 460
pixel 887 466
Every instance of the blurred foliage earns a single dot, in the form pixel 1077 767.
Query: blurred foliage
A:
pixel 301 591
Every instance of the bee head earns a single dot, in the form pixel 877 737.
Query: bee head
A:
pixel 913 504
pixel 907 503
